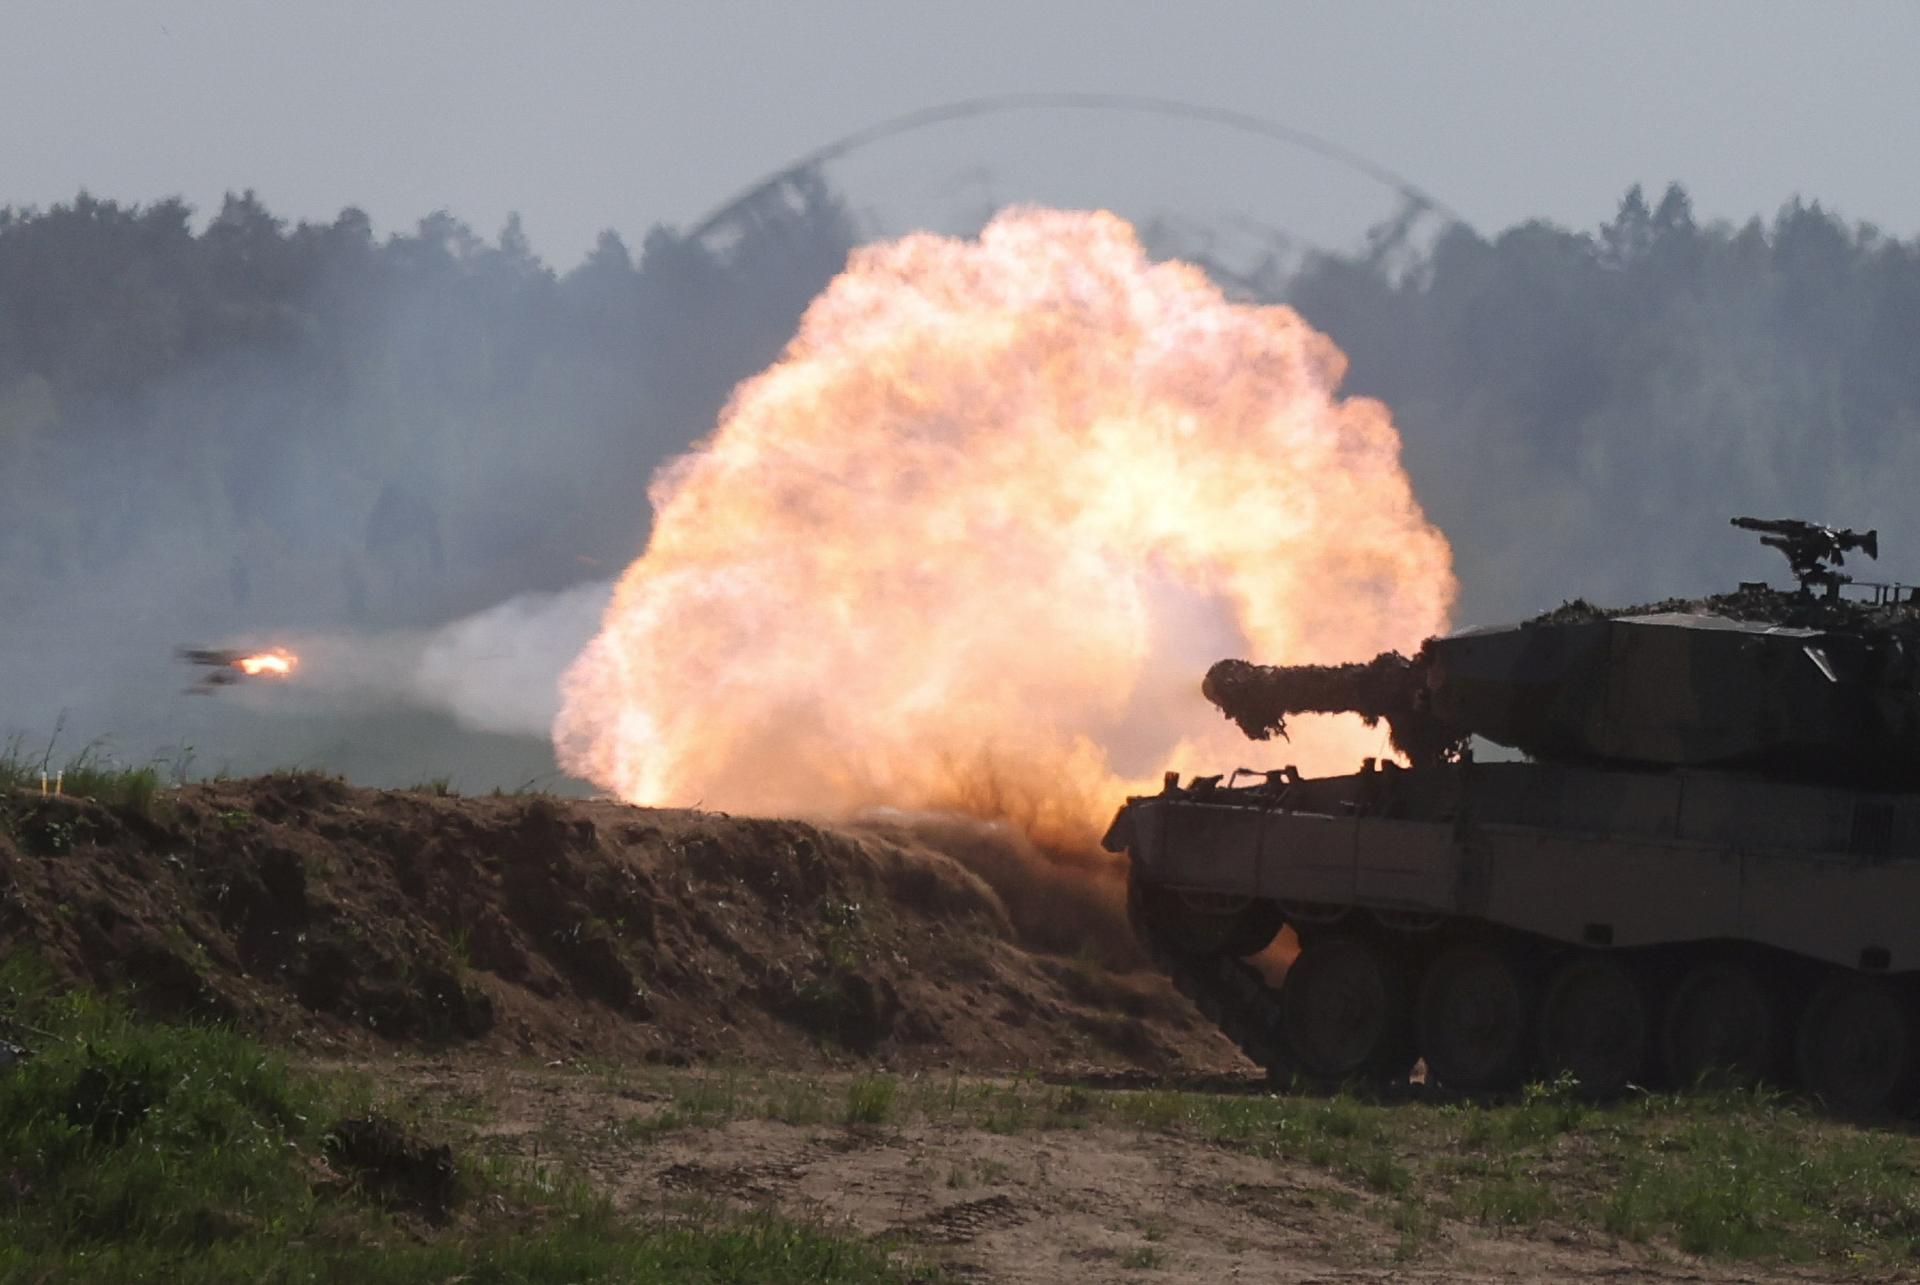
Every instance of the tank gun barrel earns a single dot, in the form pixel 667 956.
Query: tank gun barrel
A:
pixel 1390 687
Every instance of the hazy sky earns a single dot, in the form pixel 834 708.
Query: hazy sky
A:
pixel 586 116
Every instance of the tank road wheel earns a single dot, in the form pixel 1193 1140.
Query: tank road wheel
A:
pixel 1242 926
pixel 1593 1025
pixel 1854 1048
pixel 1718 1020
pixel 1474 1017
pixel 1200 925
pixel 1343 1011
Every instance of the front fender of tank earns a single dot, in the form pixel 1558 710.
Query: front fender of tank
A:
pixel 1139 831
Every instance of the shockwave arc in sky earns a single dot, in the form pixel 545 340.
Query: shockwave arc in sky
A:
pixel 971 542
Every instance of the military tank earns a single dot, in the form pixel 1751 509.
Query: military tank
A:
pixel 1699 857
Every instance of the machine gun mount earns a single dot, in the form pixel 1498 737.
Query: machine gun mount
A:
pixel 1809 548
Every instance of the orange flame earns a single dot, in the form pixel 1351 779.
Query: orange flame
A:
pixel 278 663
pixel 972 541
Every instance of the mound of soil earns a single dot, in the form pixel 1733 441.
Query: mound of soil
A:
pixel 324 914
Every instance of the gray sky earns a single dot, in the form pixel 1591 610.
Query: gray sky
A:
pixel 589 116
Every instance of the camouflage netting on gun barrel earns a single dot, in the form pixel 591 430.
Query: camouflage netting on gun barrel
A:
pixel 1260 699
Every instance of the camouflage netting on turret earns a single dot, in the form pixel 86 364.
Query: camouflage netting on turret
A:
pixel 1761 606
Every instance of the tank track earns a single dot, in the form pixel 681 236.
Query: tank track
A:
pixel 1233 994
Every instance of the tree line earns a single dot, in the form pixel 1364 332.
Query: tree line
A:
pixel 336 426
pixel 306 421
pixel 1583 410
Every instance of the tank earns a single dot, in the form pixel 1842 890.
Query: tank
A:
pixel 1638 846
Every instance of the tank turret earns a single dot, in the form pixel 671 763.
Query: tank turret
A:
pixel 1804 684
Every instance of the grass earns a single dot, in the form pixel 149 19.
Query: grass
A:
pixel 1737 1174
pixel 132 1151
pixel 870 1099
pixel 143 788
pixel 93 774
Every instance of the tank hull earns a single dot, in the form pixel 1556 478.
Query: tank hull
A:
pixel 1616 911
pixel 1576 855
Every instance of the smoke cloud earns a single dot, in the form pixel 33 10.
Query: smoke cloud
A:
pixel 499 669
pixel 968 544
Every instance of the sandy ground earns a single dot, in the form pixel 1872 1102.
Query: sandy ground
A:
pixel 1099 1203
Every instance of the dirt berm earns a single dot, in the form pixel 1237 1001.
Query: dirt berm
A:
pixel 327 915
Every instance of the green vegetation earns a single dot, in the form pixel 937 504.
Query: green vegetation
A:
pixel 137 1151
pixel 92 774
pixel 870 1099
pixel 1730 1173
pixel 833 995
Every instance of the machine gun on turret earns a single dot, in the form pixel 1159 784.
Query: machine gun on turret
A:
pixel 1810 547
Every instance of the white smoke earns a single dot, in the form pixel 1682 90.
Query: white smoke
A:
pixel 499 669
pixel 495 671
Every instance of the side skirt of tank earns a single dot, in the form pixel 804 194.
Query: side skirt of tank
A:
pixel 1626 887
pixel 1487 1008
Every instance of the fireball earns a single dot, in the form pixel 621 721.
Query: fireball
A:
pixel 279 663
pixel 971 542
